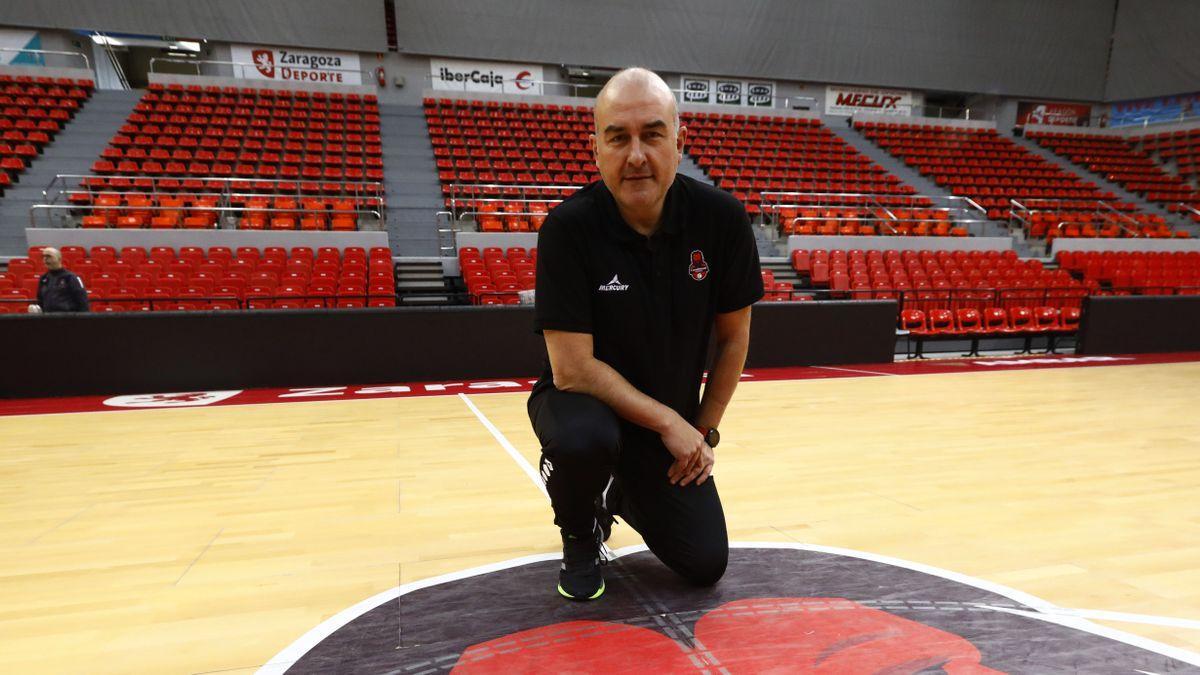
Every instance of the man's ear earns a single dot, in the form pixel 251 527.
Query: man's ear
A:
pixel 681 139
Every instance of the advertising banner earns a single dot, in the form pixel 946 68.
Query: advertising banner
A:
pixel 696 90
pixel 726 91
pixel 282 64
pixel 488 76
pixel 850 100
pixel 1060 114
pixel 1152 110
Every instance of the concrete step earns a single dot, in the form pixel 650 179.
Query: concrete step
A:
pixel 72 152
pixel 689 168
pixel 414 194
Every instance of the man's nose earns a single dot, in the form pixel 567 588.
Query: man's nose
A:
pixel 637 155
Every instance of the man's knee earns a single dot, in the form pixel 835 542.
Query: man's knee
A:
pixel 708 565
pixel 584 438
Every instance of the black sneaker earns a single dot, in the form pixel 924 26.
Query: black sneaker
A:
pixel 580 578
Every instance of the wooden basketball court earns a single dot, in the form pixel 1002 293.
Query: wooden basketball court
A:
pixel 201 540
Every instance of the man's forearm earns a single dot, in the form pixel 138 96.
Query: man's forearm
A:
pixel 722 381
pixel 599 380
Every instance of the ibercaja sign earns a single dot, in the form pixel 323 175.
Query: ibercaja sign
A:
pixel 490 76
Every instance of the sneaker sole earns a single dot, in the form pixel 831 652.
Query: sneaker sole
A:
pixel 598 593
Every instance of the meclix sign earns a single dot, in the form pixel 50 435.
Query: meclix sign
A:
pixel 850 100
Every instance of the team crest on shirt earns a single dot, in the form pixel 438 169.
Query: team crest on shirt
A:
pixel 698 268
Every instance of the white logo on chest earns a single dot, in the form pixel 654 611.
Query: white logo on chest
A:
pixel 614 285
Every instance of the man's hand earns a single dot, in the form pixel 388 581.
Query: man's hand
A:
pixel 700 467
pixel 687 446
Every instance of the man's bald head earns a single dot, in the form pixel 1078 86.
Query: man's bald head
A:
pixel 633 84
pixel 52 257
pixel 638 144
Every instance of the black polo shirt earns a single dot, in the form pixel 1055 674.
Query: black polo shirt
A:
pixel 649 302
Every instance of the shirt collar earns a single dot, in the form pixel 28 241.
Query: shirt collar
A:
pixel 622 232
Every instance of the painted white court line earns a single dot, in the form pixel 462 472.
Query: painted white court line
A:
pixel 508 447
pixel 1122 617
pixel 1043 610
pixel 853 370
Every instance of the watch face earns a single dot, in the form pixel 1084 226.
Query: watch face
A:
pixel 712 438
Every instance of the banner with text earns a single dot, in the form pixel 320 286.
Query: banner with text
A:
pixel 850 100
pixel 497 78
pixel 282 64
pixel 1152 110
pixel 724 91
pixel 1060 114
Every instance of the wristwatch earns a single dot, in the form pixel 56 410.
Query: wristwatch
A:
pixel 711 435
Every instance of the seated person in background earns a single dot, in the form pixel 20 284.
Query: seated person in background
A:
pixel 59 289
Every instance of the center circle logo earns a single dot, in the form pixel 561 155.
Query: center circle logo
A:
pixel 524 80
pixel 779 608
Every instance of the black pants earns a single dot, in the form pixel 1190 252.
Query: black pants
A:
pixel 584 444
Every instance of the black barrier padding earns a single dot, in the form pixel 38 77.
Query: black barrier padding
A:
pixel 822 333
pixel 80 354
pixel 75 354
pixel 1140 324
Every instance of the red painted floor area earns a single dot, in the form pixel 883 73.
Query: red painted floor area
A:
pixel 43 406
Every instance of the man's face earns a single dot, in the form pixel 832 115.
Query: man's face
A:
pixel 52 261
pixel 637 147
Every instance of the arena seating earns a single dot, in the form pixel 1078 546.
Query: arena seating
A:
pixel 992 170
pixel 846 192
pixel 521 146
pixel 953 294
pixel 1182 148
pixel 1135 272
pixel 493 276
pixel 32 111
pixel 275 159
pixel 192 278
pixel 938 279
pixel 1117 159
pixel 751 154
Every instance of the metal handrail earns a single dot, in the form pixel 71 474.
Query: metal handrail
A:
pixel 1136 232
pixel 1024 214
pixel 86 63
pixel 199 62
pixel 876 199
pixel 50 209
pixel 62 178
pixel 455 188
pixel 191 194
pixel 953 112
pixel 1188 207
